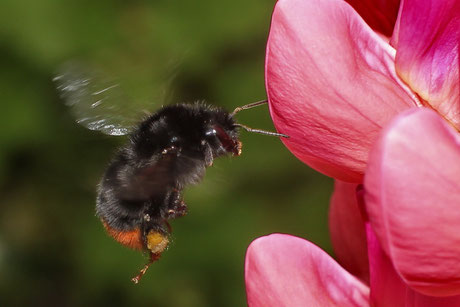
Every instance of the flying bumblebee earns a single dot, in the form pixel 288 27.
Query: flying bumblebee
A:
pixel 169 149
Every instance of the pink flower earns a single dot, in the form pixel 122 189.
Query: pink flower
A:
pixel 282 270
pixel 333 83
pixel 387 287
pixel 380 15
pixel 412 197
pixel 347 231
pixel 352 104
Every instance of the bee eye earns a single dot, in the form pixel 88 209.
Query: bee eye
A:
pixel 210 132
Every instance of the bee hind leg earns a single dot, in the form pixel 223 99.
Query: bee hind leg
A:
pixel 152 258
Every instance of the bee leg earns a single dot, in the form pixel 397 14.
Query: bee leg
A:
pixel 152 258
pixel 176 206
pixel 168 225
pixel 208 156
pixel 178 210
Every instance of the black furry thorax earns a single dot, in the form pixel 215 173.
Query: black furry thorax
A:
pixel 169 150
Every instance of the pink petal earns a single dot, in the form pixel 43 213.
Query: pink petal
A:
pixel 331 84
pixel 348 235
pixel 282 270
pixel 388 289
pixel 427 57
pixel 379 14
pixel 415 299
pixel 413 200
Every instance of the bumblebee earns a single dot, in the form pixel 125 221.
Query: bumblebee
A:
pixel 141 189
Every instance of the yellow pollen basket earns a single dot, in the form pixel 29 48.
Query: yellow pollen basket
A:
pixel 157 242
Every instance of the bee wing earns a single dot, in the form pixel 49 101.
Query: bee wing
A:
pixel 96 102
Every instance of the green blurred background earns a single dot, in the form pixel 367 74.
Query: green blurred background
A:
pixel 53 250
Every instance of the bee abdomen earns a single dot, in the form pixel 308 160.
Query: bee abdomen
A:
pixel 128 238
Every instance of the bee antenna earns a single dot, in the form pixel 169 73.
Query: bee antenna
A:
pixel 249 106
pixel 249 129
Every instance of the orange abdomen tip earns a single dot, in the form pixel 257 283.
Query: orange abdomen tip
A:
pixel 130 238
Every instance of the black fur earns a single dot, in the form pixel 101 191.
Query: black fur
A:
pixel 169 150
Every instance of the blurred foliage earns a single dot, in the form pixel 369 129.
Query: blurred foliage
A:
pixel 53 250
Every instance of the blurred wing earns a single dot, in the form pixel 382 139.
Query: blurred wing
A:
pixel 96 102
